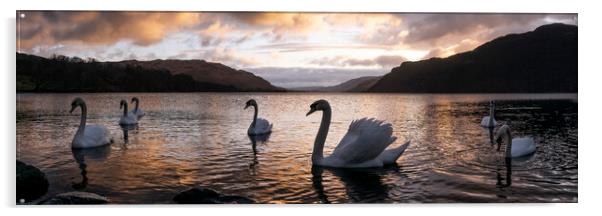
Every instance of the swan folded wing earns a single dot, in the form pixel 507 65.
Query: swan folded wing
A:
pixel 485 122
pixel 262 126
pixel 129 119
pixel 366 139
pixel 95 135
pixel 522 146
pixel 132 113
pixel 137 113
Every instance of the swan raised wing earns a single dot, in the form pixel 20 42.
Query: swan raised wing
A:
pixel 366 139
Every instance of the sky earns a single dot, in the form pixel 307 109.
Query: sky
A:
pixel 287 49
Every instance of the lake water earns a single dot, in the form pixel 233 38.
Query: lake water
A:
pixel 199 139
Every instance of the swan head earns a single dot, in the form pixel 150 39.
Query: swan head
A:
pixel 122 104
pixel 318 105
pixel 134 99
pixel 75 103
pixel 249 103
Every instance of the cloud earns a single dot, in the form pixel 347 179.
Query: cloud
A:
pixel 389 60
pixel 101 28
pixel 252 38
pixel 293 47
pixel 381 61
pixel 223 55
pixel 448 34
pixel 462 46
pixel 282 24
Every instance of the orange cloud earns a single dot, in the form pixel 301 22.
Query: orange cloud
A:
pixel 462 46
pixel 282 24
pixel 143 28
pixel 222 34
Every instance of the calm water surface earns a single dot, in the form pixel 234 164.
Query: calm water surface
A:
pixel 195 139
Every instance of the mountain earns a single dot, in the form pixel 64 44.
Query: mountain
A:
pixel 73 74
pixel 354 85
pixel 362 84
pixel 543 60
pixel 208 72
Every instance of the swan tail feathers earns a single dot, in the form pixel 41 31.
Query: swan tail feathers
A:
pixel 392 140
pixel 390 156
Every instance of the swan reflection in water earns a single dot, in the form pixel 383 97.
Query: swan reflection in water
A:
pixel 491 136
pixel 508 179
pixel 83 156
pixel 125 129
pixel 504 174
pixel 262 138
pixel 361 185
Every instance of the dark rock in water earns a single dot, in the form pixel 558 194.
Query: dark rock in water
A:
pixel 199 195
pixel 76 197
pixel 31 183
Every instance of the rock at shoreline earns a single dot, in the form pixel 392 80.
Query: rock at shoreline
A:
pixel 199 195
pixel 31 183
pixel 77 198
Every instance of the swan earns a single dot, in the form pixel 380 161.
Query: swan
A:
pixel 489 121
pixel 516 147
pixel 137 111
pixel 259 125
pixel 126 118
pixel 88 136
pixel 363 146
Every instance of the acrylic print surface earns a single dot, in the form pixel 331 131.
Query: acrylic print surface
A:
pixel 264 107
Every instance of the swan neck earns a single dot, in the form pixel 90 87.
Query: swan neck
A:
pixel 318 152
pixel 136 106
pixel 82 122
pixel 254 116
pixel 491 113
pixel 125 109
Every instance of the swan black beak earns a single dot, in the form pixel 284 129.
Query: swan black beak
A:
pixel 72 108
pixel 247 106
pixel 310 112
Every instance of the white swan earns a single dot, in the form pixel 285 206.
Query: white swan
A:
pixel 259 125
pixel 88 136
pixel 489 121
pixel 126 118
pixel 139 113
pixel 363 146
pixel 515 147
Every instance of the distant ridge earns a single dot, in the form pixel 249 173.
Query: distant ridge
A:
pixel 540 61
pixel 73 74
pixel 354 85
pixel 208 72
